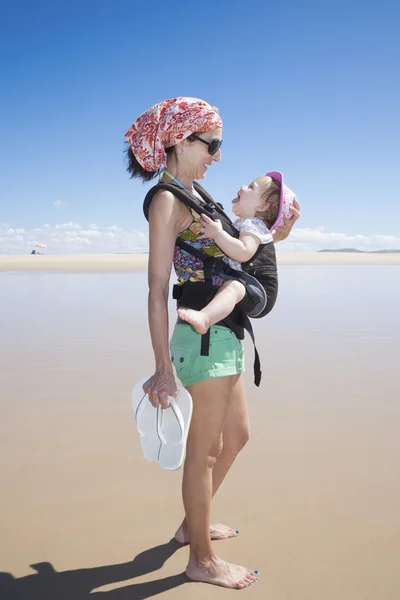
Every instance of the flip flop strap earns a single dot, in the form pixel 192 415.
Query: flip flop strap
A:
pixel 160 421
pixel 160 418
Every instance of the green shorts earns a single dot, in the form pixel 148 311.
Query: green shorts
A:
pixel 226 354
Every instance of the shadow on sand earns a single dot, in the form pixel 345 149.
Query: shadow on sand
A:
pixel 48 584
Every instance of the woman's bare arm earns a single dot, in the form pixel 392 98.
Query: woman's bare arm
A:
pixel 164 226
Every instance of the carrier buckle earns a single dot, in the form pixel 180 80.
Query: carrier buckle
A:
pixel 176 291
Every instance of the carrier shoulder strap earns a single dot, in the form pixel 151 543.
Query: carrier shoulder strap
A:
pixel 184 196
pixel 191 201
pixel 206 196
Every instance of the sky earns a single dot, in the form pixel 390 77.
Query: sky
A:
pixel 309 88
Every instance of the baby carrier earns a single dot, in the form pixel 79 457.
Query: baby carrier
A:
pixel 260 270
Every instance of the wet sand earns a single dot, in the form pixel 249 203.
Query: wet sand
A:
pixel 315 493
pixel 107 263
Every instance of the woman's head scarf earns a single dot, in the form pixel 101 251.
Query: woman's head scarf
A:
pixel 166 124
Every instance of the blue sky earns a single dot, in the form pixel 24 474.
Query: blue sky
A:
pixel 309 88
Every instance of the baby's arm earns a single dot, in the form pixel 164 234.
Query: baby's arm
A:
pixel 241 249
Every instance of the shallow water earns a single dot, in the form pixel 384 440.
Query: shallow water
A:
pixel 322 465
pixel 345 314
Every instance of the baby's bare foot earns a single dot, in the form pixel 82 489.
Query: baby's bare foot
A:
pixel 220 572
pixel 217 532
pixel 199 320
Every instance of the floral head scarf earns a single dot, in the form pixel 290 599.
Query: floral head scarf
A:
pixel 167 123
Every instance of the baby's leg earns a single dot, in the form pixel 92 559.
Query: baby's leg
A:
pixel 229 294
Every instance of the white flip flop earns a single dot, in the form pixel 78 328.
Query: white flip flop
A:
pixel 146 421
pixel 173 427
pixel 163 432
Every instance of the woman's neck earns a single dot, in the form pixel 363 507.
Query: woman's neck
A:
pixel 184 180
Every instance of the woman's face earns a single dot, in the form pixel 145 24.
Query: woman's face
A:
pixel 194 156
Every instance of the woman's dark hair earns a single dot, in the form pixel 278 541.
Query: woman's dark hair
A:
pixel 135 168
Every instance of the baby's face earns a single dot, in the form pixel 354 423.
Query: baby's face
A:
pixel 249 198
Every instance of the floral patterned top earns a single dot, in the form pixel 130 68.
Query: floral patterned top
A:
pixel 188 267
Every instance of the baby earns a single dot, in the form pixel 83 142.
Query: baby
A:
pixel 257 207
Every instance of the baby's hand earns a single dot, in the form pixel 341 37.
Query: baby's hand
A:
pixel 210 229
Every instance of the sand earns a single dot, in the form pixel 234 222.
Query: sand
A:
pixel 97 263
pixel 315 493
pixel 78 263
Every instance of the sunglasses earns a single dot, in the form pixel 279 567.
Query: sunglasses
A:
pixel 213 146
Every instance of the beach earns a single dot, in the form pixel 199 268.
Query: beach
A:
pixel 315 493
pixel 110 263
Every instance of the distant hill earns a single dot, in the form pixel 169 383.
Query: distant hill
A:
pixel 354 250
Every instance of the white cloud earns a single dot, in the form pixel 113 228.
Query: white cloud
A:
pixel 91 233
pixel 60 204
pixel 78 241
pixel 75 238
pixel 69 225
pixel 72 237
pixel 312 240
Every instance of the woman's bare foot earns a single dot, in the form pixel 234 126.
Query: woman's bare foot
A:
pixel 198 319
pixel 220 572
pixel 217 532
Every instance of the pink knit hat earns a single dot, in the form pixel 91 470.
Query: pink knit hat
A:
pixel 287 198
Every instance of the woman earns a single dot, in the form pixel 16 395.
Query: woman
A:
pixel 180 139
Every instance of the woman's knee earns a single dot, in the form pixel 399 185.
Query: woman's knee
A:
pixel 242 437
pixel 207 455
pixel 237 440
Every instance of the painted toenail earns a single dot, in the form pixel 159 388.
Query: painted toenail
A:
pixel 237 531
pixel 256 572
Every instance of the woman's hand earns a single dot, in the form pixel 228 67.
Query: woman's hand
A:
pixel 282 232
pixel 161 385
pixel 210 229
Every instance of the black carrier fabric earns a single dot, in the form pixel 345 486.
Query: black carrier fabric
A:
pixel 196 295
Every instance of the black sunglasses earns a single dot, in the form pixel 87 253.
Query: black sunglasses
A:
pixel 213 146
